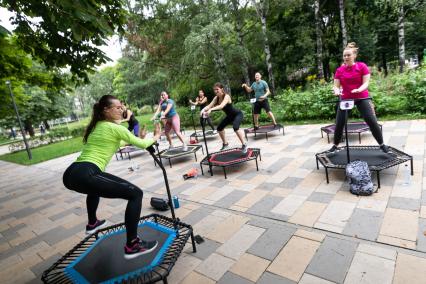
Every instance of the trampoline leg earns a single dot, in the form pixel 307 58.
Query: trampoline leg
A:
pixel 170 163
pixel 316 159
pixel 326 174
pixel 266 136
pixel 378 179
pixel 195 154
pixel 194 248
pixel 202 149
pixel 224 171
pixel 322 135
pixel 359 136
pixel 201 166
pixel 328 138
pixel 165 281
pixel 412 168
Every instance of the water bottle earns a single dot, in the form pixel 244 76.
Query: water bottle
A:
pixel 176 202
pixel 407 175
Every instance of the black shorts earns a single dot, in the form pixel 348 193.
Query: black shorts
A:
pixel 258 105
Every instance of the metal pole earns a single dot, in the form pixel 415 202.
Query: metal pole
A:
pixel 346 134
pixel 20 122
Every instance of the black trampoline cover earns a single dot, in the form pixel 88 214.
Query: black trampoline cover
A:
pixel 373 156
pixel 265 128
pixel 352 127
pixel 179 151
pixel 230 156
pixel 104 261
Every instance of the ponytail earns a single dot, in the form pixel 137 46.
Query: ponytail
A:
pixel 98 114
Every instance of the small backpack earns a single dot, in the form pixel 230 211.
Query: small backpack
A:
pixel 359 178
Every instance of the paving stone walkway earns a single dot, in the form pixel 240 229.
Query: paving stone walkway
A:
pixel 282 224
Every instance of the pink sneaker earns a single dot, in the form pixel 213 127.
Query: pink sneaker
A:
pixel 138 248
pixel 99 224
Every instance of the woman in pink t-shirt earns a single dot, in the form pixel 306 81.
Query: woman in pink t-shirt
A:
pixel 351 82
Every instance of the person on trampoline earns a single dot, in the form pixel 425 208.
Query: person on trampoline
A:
pixel 261 93
pixel 222 101
pixel 201 101
pixel 170 118
pixel 87 174
pixel 130 118
pixel 351 82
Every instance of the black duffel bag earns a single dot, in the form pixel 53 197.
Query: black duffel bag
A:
pixel 159 204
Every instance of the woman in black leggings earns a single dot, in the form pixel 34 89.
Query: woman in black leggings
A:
pixel 351 82
pixel 86 175
pixel 222 101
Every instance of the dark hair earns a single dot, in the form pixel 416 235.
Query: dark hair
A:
pixel 218 85
pixel 98 114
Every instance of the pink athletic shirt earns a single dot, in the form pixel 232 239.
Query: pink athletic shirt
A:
pixel 350 78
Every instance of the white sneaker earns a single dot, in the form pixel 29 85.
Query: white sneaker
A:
pixel 244 148
pixel 185 147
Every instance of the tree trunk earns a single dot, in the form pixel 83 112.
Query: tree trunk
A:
pixel 219 60
pixel 239 28
pixel 342 23
pixel 401 37
pixel 261 12
pixel 385 64
pixel 319 40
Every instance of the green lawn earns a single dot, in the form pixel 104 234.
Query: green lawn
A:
pixel 45 153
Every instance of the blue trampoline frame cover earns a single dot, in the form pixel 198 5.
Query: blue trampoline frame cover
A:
pixel 78 278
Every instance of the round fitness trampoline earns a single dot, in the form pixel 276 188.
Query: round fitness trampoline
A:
pixel 353 128
pixel 98 258
pixel 376 159
pixel 172 153
pixel 264 129
pixel 229 158
pixel 209 133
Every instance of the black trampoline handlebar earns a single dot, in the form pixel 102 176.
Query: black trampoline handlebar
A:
pixel 151 151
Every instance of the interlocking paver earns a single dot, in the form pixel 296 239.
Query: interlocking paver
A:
pixel 364 224
pixel 367 268
pixel 294 258
pixel 332 260
pixel 406 267
pixel 231 278
pixel 287 199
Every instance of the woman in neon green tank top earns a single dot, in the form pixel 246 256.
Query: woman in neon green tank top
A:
pixel 103 137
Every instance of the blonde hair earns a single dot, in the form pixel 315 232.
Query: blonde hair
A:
pixel 352 46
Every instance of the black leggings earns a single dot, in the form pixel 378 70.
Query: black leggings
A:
pixel 87 178
pixel 209 122
pixel 235 120
pixel 365 107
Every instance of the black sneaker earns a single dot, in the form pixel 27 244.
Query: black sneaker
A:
pixel 332 149
pixel 99 224
pixel 244 148
pixel 138 248
pixel 224 146
pixel 384 148
pixel 276 126
pixel 256 128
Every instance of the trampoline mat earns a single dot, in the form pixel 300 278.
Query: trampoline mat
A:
pixel 373 157
pixel 353 127
pixel 230 156
pixel 265 128
pixel 179 151
pixel 104 260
